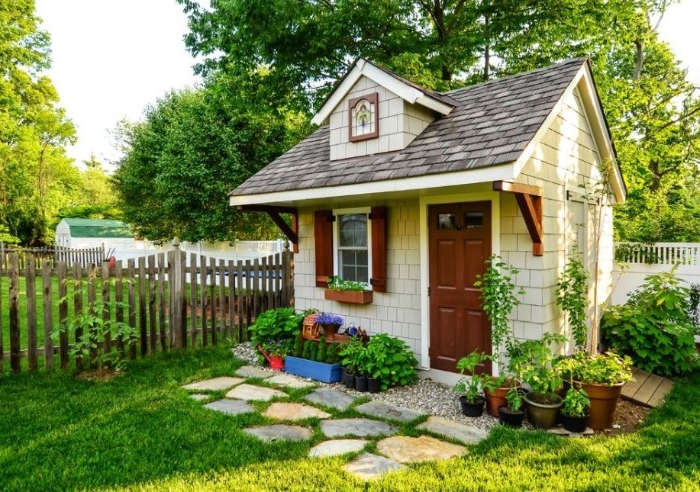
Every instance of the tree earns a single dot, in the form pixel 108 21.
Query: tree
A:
pixel 95 196
pixel 35 173
pixel 191 150
pixel 653 111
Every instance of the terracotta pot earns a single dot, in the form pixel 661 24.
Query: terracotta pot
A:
pixel 603 403
pixel 330 331
pixel 472 409
pixel 540 412
pixel 497 398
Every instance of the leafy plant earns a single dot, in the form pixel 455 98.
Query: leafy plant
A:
pixel 606 368
pixel 575 403
pixel 572 291
pixel 471 386
pixel 322 349
pixel 654 327
pixel 274 325
pixel 498 298
pixel 694 306
pixel 391 360
pixel 337 283
pixel 91 330
pixel 514 399
pixel 352 355
pixel 536 366
pixel 278 348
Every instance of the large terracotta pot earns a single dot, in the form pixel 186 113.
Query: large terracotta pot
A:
pixel 497 398
pixel 603 402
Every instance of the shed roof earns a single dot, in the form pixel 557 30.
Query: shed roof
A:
pixel 103 228
pixel 492 124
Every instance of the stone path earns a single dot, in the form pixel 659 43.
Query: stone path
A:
pixel 344 434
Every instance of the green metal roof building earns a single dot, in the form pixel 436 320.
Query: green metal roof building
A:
pixel 86 233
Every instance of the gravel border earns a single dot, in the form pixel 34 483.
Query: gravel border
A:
pixel 425 396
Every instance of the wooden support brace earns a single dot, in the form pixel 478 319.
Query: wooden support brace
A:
pixel 292 233
pixel 529 200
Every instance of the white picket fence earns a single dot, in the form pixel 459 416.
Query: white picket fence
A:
pixel 635 261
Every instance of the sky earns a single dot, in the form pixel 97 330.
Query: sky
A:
pixel 112 58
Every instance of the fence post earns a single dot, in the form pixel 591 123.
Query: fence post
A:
pixel 176 293
pixel 14 313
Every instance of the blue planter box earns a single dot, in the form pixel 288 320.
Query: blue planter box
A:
pixel 327 373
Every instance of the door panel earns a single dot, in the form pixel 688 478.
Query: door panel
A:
pixel 460 243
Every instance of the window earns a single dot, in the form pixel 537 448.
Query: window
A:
pixel 352 257
pixel 351 243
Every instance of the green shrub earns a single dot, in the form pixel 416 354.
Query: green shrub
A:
pixel 322 349
pixel 391 360
pixel 654 327
pixel 274 325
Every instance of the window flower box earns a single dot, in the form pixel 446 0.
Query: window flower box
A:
pixel 327 373
pixel 349 296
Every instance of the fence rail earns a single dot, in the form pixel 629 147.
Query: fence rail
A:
pixel 658 253
pixel 171 302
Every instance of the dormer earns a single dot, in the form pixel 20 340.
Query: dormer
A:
pixel 374 111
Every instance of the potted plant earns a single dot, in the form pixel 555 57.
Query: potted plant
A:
pixel 512 413
pixel 391 360
pixel 498 298
pixel 274 326
pixel 574 410
pixel 471 399
pixel 601 376
pixel 543 403
pixel 330 323
pixel 347 291
pixel 350 359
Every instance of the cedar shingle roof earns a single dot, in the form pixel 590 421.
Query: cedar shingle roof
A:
pixel 491 124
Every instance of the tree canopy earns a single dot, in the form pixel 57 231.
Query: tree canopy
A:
pixel 306 45
pixel 193 147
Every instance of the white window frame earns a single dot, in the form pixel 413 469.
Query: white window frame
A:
pixel 336 239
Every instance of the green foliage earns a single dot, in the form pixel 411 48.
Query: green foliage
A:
pixel 322 353
pixel 389 359
pixel 471 387
pixel 694 306
pixel 572 294
pixel 337 283
pixel 333 355
pixel 575 403
pixel 274 325
pixel 654 327
pixel 313 350
pixel 352 354
pixel 89 329
pixel 306 351
pixel 514 399
pixel 298 346
pixel 210 140
pixel 535 359
pixel 605 368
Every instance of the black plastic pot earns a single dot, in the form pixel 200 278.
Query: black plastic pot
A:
pixel 348 378
pixel 574 424
pixel 472 409
pixel 361 383
pixel 510 418
pixel 374 385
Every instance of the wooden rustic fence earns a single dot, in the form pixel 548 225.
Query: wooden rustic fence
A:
pixel 172 303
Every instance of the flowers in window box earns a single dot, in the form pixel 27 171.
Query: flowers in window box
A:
pixel 337 283
pixel 329 319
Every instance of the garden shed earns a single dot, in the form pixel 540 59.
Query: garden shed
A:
pixel 410 191
pixel 93 233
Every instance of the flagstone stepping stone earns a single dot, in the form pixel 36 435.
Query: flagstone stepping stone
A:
pixel 337 447
pixel 252 392
pixel 253 372
pixel 466 434
pixel 404 449
pixel 294 411
pixel 290 381
pixel 214 384
pixel 368 466
pixel 231 407
pixel 199 396
pixel 356 427
pixel 382 410
pixel 331 398
pixel 560 431
pixel 280 432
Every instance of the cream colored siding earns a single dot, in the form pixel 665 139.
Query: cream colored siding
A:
pixel 565 159
pixel 399 123
pixel 397 311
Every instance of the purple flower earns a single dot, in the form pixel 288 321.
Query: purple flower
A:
pixel 329 319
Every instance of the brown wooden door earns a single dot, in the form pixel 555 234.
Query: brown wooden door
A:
pixel 460 243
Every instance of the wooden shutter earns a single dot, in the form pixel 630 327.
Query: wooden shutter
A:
pixel 323 237
pixel 378 218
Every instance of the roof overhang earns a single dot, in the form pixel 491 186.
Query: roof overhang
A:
pixel 584 82
pixel 405 91
pixel 391 186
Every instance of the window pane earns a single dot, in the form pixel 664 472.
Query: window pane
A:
pixel 447 221
pixel 353 231
pixel 474 220
pixel 353 265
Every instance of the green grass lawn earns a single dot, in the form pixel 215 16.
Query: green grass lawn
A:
pixel 141 431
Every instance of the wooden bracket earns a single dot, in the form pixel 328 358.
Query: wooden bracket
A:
pixel 292 233
pixel 529 200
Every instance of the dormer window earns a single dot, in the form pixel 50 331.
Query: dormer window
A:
pixel 364 117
